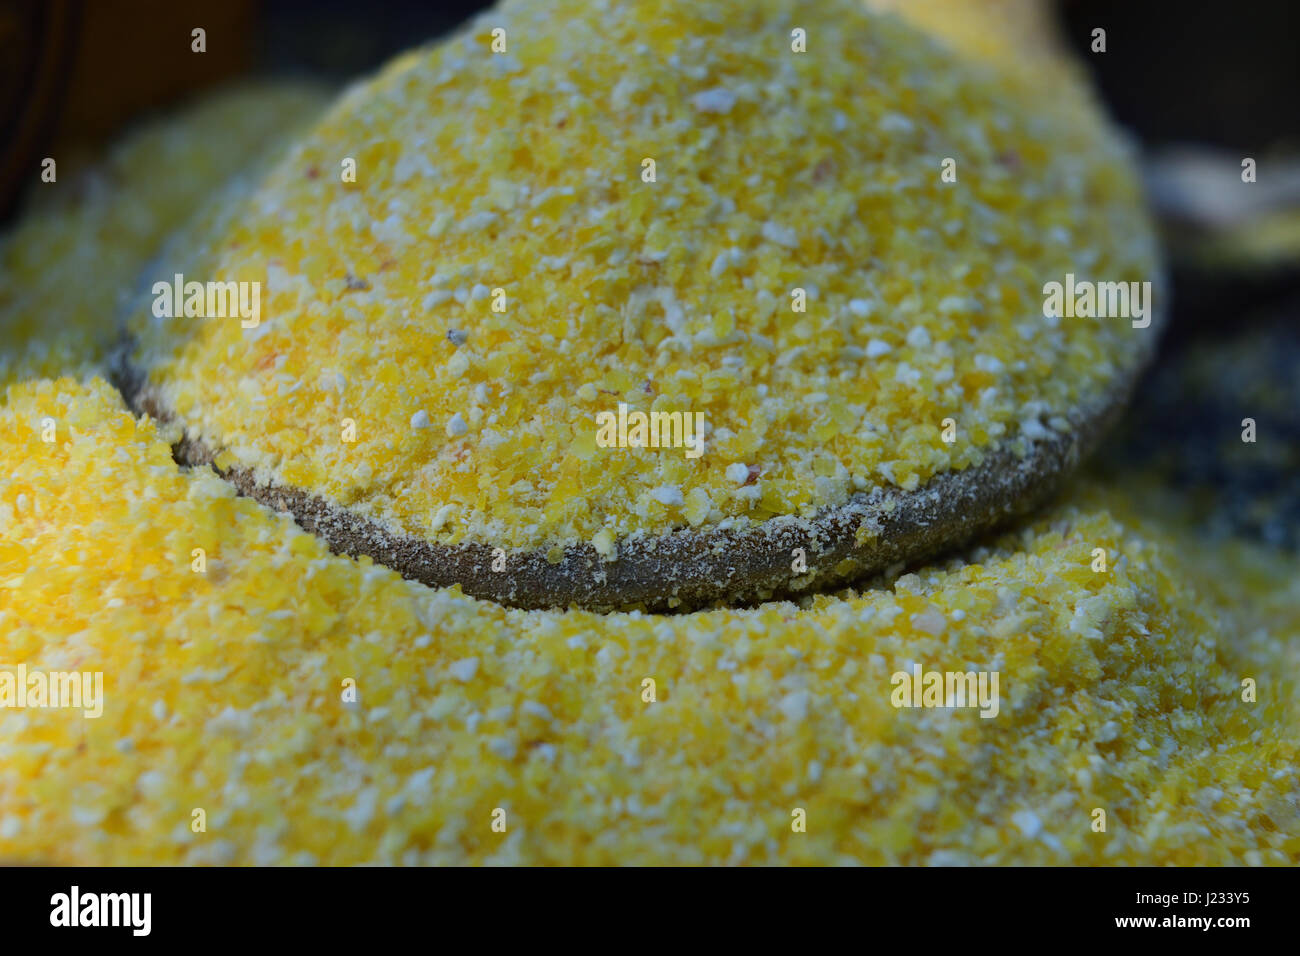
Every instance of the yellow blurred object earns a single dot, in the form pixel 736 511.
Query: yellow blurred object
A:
pixel 1018 37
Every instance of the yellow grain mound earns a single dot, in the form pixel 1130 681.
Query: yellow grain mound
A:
pixel 501 271
pixel 227 691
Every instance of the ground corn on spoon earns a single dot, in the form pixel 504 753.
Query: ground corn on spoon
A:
pixel 818 234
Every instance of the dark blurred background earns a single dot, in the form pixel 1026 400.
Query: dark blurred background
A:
pixel 1224 74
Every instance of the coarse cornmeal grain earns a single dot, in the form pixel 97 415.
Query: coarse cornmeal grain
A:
pixel 1120 691
pixel 71 263
pixel 383 381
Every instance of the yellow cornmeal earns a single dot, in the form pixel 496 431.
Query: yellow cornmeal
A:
pixel 224 692
pixel 774 170
pixel 69 267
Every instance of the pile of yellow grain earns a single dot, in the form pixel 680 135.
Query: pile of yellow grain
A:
pixel 502 270
pixel 268 702
pixel 227 691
